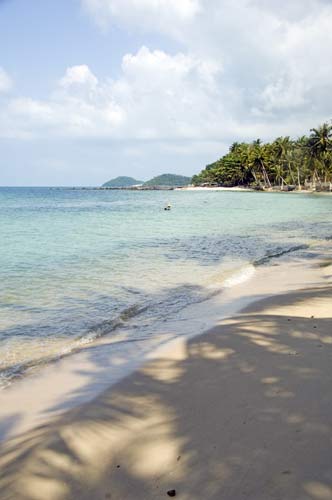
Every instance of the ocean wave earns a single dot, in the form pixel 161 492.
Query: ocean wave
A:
pixel 279 253
pixel 144 315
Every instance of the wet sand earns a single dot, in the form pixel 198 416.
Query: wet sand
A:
pixel 242 411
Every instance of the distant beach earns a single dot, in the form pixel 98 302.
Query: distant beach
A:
pixel 213 188
pixel 245 189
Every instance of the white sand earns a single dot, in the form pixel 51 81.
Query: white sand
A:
pixel 216 188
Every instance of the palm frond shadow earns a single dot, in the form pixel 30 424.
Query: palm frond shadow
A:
pixel 241 412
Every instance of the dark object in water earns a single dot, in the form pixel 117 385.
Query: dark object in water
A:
pixel 171 493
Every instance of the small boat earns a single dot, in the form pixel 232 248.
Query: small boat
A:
pixel 168 206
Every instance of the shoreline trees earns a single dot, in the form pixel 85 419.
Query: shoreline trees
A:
pixel 283 162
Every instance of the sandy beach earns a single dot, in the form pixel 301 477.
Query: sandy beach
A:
pixel 213 188
pixel 242 411
pixel 248 189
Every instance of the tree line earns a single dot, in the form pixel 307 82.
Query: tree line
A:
pixel 281 163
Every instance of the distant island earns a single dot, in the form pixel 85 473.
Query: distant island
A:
pixel 168 180
pixel 122 182
pixel 164 181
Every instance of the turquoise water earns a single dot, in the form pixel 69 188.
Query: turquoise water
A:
pixel 77 264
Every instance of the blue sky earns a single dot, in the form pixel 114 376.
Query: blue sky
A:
pixel 92 89
pixel 48 36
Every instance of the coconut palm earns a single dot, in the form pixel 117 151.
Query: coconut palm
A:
pixel 320 146
pixel 320 139
pixel 281 161
pixel 257 160
pixel 284 149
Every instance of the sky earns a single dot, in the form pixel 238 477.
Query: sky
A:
pixel 93 89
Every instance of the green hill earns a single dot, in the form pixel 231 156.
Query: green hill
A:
pixel 169 180
pixel 122 181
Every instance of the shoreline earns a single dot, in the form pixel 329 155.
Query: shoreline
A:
pixel 78 378
pixel 251 190
pixel 274 189
pixel 134 423
pixel 215 188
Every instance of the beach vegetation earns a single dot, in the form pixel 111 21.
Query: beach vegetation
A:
pixel 284 163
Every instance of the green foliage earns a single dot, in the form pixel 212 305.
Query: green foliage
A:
pixel 169 180
pixel 281 162
pixel 122 181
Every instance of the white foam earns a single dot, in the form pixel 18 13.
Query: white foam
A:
pixel 240 276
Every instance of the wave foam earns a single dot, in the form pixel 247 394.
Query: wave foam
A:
pixel 240 276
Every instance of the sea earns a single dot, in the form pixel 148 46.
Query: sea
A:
pixel 80 264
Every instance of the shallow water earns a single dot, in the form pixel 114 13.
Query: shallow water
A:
pixel 78 264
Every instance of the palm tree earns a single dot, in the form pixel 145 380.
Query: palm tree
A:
pixel 284 149
pixel 234 147
pixel 320 146
pixel 257 160
pixel 320 138
pixel 249 172
pixel 278 162
pixel 301 160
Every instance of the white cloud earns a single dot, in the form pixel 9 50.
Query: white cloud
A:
pixel 5 81
pixel 156 96
pixel 148 14
pixel 293 11
pixel 286 92
pixel 275 59
pixel 245 69
pixel 79 75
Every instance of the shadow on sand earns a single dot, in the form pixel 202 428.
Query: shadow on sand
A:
pixel 241 412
